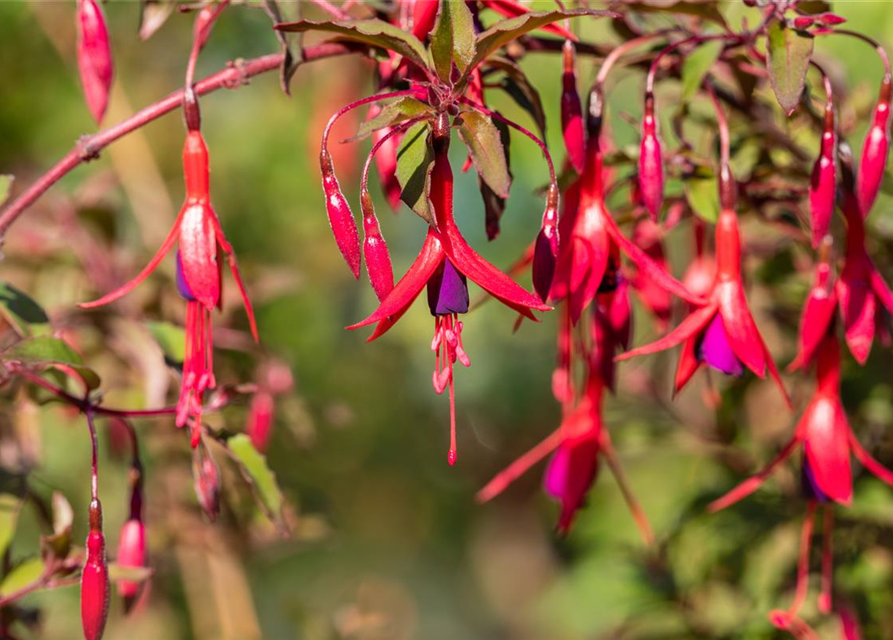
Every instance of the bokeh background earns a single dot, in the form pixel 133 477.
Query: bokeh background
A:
pixel 387 541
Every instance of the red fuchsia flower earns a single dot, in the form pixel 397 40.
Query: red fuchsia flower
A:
pixel 861 290
pixel 443 266
pixel 649 236
pixel 818 312
pixel 200 240
pixel 589 258
pixel 827 442
pixel 721 333
pixel 132 539
pixel 849 624
pixel 875 149
pixel 424 14
pixel 260 419
pixel 577 445
pixel 651 163
pixel 206 481
pixel 701 271
pixel 94 56
pixel 823 185
pixel 572 111
pixel 95 578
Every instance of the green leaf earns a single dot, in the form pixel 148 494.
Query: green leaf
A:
pixel 702 193
pixel 505 31
pixel 254 468
pixel 405 108
pixel 452 38
pixel 373 32
pixel 789 55
pixel 171 339
pixel 22 311
pixel 484 144
pixel 704 10
pixel 9 516
pixel 415 160
pixel 696 66
pixel 5 185
pixel 47 351
pixel 23 574
pixel 519 88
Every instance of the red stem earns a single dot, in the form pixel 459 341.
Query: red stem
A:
pixel 89 146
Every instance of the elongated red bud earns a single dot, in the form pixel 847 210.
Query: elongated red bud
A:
pixel 572 111
pixel 206 480
pixel 260 420
pixel 424 13
pixel 874 152
pixel 545 253
pixel 823 186
pixel 131 553
pixel 651 166
pixel 344 226
pixel 95 579
pixel 94 57
pixel 375 250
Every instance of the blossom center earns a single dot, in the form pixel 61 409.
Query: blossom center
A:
pixel 447 291
pixel 714 349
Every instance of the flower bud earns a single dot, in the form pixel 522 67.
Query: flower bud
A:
pixel 651 169
pixel 131 553
pixel 545 253
pixel 341 219
pixel 823 186
pixel 95 579
pixel 375 250
pixel 94 57
pixel 572 111
pixel 260 420
pixel 874 152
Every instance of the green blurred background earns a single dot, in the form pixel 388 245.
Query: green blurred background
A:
pixel 388 542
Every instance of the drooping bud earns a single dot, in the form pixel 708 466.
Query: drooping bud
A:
pixel 545 253
pixel 94 57
pixel 823 186
pixel 572 111
pixel 375 250
pixel 344 226
pixel 260 420
pixel 651 168
pixel 131 553
pixel 95 579
pixel 874 152
pixel 206 480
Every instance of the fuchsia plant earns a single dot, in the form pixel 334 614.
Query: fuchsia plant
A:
pixel 438 64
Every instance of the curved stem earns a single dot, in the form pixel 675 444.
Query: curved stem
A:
pixel 726 181
pixel 94 462
pixel 622 50
pixel 89 146
pixel 882 53
pixel 359 103
pixel 402 127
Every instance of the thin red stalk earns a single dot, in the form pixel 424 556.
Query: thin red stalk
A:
pixel 827 560
pixel 542 145
pixel 620 51
pixel 726 182
pixel 516 469
pixel 632 502
pixel 885 59
pixel 364 183
pixel 360 103
pixel 803 560
pixel 89 146
pixel 94 463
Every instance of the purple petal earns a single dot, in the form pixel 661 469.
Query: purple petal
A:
pixel 715 350
pixel 810 488
pixel 447 291
pixel 182 285
pixel 555 478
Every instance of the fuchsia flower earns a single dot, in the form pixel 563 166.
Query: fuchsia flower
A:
pixel 722 332
pixel 443 266
pixel 823 184
pixel 651 163
pixel 589 258
pixel 649 236
pixel 94 56
pixel 200 237
pixel 95 579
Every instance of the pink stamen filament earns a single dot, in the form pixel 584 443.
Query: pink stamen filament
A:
pixel 803 561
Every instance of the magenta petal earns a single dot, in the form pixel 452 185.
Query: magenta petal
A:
pixel 715 350
pixel 555 478
pixel 447 291
pixel 811 489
